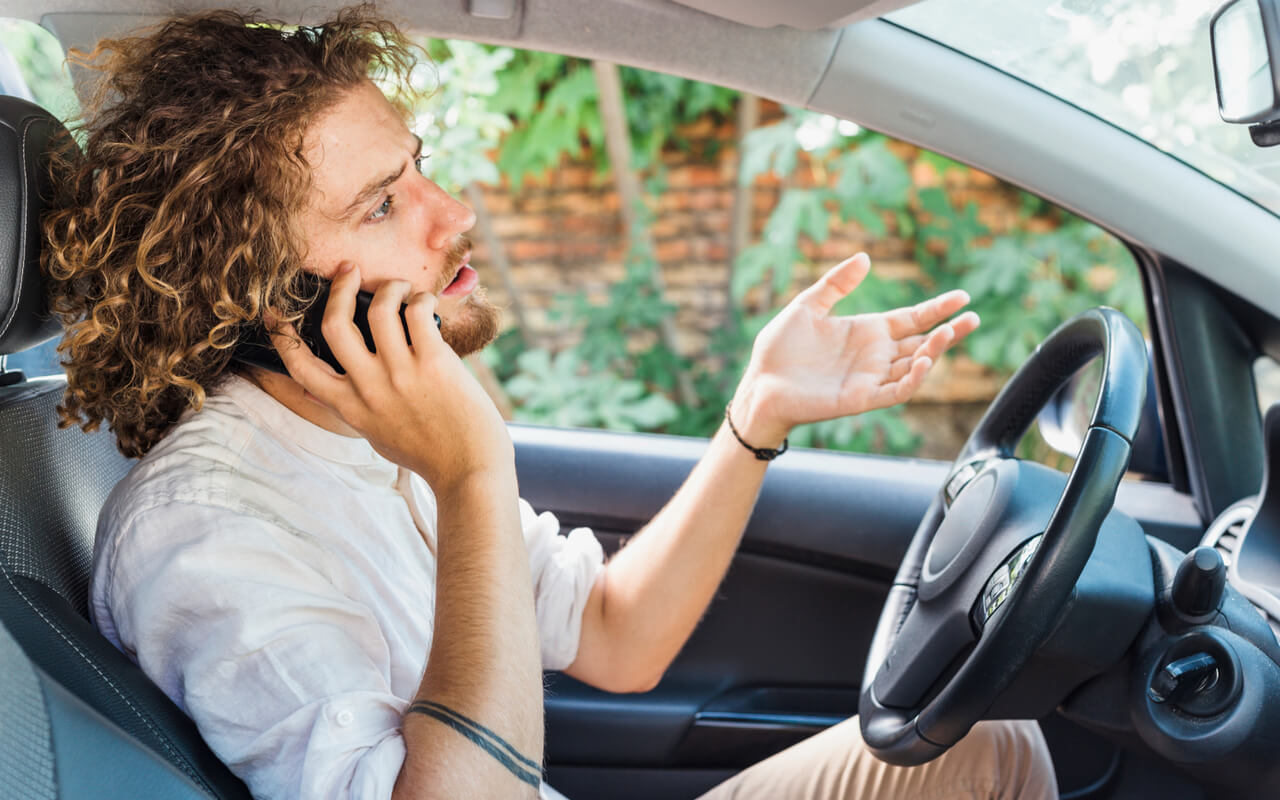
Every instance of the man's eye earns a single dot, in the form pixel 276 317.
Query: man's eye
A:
pixel 382 210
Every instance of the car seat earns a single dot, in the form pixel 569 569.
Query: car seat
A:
pixel 54 747
pixel 53 482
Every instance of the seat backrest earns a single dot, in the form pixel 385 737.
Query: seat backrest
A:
pixel 54 747
pixel 53 482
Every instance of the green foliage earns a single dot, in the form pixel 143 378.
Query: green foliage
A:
pixel 41 62
pixel 552 101
pixel 881 430
pixel 1023 281
pixel 458 127
pixel 561 390
pixel 606 379
pixel 564 120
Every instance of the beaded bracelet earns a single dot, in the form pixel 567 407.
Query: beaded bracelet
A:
pixel 762 453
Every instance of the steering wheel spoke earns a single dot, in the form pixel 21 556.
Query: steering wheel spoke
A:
pixel 926 645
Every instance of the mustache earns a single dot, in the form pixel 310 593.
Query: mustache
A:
pixel 453 261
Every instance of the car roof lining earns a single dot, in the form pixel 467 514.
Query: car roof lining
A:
pixel 806 15
pixel 878 75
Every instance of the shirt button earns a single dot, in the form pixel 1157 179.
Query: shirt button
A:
pixel 345 717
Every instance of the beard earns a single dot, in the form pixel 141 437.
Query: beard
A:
pixel 473 326
pixel 476 322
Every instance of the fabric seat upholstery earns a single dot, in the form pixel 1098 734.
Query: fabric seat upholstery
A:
pixel 53 482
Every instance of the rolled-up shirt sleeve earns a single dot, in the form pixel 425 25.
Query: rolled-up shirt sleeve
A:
pixel 564 569
pixel 287 679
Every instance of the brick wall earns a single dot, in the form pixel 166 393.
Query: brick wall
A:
pixel 563 234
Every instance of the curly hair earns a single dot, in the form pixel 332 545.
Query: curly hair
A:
pixel 176 226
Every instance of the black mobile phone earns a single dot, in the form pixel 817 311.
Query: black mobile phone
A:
pixel 255 345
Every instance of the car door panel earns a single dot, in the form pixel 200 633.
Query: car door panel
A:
pixel 780 653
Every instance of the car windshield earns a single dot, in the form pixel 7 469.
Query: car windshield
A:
pixel 1142 65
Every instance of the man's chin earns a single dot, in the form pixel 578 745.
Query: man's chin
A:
pixel 473 326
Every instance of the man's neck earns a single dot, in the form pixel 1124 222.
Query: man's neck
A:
pixel 290 394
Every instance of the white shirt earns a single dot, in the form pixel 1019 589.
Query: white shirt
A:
pixel 277 581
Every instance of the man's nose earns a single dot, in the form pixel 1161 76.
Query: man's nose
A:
pixel 449 217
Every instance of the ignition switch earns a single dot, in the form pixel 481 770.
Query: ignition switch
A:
pixel 1198 674
pixel 1183 679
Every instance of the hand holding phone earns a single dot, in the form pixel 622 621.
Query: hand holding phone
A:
pixel 404 389
pixel 255 346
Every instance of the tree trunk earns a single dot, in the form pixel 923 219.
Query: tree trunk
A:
pixel 743 207
pixel 617 140
pixel 489 382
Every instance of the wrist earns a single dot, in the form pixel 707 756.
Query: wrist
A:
pixel 492 479
pixel 752 412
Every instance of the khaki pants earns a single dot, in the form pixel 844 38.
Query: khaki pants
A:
pixel 996 761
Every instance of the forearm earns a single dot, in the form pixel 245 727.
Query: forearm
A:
pixel 475 728
pixel 807 365
pixel 652 593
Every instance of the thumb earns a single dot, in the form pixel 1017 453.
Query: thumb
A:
pixel 836 284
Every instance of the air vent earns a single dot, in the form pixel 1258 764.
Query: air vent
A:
pixel 1225 535
pixel 1227 530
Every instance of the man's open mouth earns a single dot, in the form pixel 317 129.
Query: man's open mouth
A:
pixel 464 281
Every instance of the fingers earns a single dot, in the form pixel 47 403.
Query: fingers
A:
pixel 338 326
pixel 964 325
pixel 939 339
pixel 834 286
pixel 906 387
pixel 384 322
pixel 315 376
pixel 922 316
pixel 908 371
pixel 419 315
pixel 911 372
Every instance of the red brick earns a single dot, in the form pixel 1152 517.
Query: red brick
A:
pixel 711 250
pixel 669 225
pixel 576 176
pixel 978 178
pixel 669 250
pixel 498 201
pixel 704 200
pixel 672 200
pixel 575 250
pixel 923 175
pixel 520 250
pixel 704 176
pixel 510 226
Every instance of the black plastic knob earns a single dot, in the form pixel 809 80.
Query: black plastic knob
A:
pixel 1199 582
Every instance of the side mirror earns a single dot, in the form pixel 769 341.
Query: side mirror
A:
pixel 1064 421
pixel 1245 37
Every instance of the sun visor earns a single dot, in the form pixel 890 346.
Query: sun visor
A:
pixel 807 15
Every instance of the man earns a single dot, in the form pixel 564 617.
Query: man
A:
pixel 332 572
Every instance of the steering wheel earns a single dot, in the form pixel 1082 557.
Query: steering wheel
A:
pixel 993 562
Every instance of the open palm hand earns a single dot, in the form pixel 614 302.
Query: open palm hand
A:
pixel 808 365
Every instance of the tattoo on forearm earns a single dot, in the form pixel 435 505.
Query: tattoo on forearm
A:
pixel 524 768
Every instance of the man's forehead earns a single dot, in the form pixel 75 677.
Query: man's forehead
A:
pixel 360 140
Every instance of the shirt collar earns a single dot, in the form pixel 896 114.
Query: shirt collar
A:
pixel 275 417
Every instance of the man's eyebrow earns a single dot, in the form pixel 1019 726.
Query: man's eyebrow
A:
pixel 375 187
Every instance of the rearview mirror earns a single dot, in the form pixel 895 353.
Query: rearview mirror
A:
pixel 1242 62
pixel 1245 37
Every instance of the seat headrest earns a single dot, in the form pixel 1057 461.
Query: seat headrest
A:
pixel 25 132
